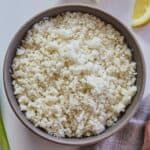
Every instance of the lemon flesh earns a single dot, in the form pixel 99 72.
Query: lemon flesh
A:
pixel 141 13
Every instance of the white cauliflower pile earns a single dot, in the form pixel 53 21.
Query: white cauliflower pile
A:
pixel 73 75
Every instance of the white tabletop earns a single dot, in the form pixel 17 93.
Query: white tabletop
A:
pixel 13 14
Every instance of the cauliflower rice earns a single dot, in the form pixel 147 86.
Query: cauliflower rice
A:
pixel 73 75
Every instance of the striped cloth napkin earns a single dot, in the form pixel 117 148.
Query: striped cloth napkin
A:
pixel 131 136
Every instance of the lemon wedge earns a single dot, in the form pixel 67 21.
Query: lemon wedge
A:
pixel 141 13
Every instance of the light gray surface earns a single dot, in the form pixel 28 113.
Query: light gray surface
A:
pixel 13 14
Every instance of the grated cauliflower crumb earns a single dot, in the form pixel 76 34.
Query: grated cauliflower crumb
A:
pixel 73 75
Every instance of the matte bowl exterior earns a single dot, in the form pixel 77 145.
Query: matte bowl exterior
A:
pixel 137 57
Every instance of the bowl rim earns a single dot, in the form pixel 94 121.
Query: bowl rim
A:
pixel 69 141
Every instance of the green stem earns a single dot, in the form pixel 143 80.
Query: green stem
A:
pixel 3 138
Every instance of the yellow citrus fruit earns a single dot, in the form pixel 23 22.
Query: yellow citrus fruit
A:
pixel 141 13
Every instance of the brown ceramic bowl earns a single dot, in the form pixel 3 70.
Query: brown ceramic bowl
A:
pixel 137 57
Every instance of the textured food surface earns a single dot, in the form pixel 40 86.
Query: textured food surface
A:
pixel 73 75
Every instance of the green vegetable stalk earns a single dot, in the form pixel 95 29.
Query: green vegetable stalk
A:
pixel 3 138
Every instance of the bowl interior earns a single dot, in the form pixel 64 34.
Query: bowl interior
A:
pixel 137 57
